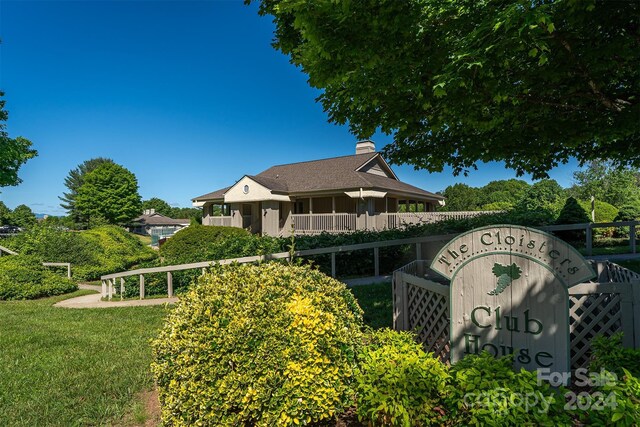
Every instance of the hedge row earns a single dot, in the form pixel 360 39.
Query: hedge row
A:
pixel 24 277
pixel 92 253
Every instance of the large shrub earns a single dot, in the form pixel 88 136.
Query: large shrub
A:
pixel 265 345
pixel 397 383
pixel 628 213
pixel 207 243
pixel 604 212
pixel 24 277
pixel 92 253
pixel 572 213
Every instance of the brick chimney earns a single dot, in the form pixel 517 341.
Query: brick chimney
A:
pixel 366 146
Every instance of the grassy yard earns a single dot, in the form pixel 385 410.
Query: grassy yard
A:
pixel 66 367
pixel 377 304
pixel 145 240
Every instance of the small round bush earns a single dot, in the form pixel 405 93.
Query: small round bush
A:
pixel 261 345
pixel 398 384
pixel 24 277
pixel 488 391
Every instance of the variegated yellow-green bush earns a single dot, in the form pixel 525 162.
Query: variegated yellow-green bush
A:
pixel 397 383
pixel 266 345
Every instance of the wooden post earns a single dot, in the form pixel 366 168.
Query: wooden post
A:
pixel 121 288
pixel 405 301
pixel 141 286
pixel 635 286
pixel 418 251
pixel 69 271
pixel 169 284
pixel 632 238
pixel 376 261
pixel 589 240
pixel 110 284
pixel 333 264
pixel 104 288
pixel 398 316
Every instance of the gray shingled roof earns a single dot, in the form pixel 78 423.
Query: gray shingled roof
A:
pixel 158 219
pixel 334 174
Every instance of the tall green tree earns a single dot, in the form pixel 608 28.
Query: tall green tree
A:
pixel 23 217
pixel 160 206
pixel 607 183
pixel 109 193
pixel 74 181
pixel 194 214
pixel 14 152
pixel 5 214
pixel 506 192
pixel 545 195
pixel 461 197
pixel 532 83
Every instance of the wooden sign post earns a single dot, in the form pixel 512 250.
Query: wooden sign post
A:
pixel 509 294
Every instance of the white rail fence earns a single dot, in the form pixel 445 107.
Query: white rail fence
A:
pixel 109 281
pixel 6 251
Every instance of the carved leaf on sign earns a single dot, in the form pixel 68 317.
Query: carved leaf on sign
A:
pixel 505 274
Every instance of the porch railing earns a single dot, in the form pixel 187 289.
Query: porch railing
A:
pixel 398 219
pixel 339 222
pixel 222 221
pixel 317 223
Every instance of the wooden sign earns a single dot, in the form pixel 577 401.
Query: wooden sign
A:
pixel 509 294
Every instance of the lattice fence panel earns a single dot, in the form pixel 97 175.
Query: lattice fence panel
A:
pixel 618 273
pixel 429 317
pixel 591 315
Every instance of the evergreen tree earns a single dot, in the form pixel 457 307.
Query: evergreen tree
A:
pixel 74 181
pixel 109 193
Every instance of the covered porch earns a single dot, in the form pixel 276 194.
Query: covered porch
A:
pixel 332 213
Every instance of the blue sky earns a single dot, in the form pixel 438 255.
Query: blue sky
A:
pixel 188 95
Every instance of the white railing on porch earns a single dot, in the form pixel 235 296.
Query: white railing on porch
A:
pixel 340 222
pixel 317 223
pixel 398 219
pixel 223 221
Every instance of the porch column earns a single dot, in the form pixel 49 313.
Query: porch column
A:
pixel 371 212
pixel 236 215
pixel 270 218
pixel 333 212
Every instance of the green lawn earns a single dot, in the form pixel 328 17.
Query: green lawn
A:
pixel 69 367
pixel 377 304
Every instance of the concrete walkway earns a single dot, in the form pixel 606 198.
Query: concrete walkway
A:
pixel 95 300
